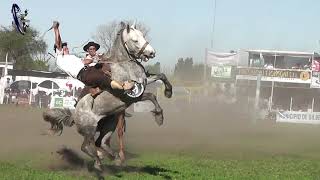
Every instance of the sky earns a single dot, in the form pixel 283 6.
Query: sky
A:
pixel 181 28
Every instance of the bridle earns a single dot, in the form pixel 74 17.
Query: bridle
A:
pixel 132 55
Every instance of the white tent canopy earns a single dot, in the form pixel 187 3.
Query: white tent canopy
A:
pixel 281 53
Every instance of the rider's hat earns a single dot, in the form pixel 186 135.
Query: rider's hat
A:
pixel 91 43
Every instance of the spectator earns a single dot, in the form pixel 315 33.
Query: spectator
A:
pixel 268 66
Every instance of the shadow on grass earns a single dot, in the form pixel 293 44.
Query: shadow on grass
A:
pixel 151 170
pixel 71 160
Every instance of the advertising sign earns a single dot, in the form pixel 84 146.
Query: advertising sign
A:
pixel 298 117
pixel 315 80
pixel 221 71
pixel 278 75
pixel 62 102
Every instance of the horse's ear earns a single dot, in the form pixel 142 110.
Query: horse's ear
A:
pixel 134 25
pixel 122 25
pixel 128 28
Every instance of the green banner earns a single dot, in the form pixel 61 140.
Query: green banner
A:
pixel 58 102
pixel 221 71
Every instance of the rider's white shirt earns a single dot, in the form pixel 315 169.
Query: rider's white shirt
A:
pixel 70 64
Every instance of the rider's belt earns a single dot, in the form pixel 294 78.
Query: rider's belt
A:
pixel 80 74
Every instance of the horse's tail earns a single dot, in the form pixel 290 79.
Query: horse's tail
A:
pixel 58 118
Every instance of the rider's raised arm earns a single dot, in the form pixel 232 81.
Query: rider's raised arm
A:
pixel 57 37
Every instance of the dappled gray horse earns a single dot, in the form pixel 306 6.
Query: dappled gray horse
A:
pixel 129 46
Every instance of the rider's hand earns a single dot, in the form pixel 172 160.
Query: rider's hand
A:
pixel 128 85
pixel 55 25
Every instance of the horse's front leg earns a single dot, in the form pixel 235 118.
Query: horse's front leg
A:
pixel 151 78
pixel 157 112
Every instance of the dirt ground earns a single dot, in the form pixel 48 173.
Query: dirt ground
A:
pixel 221 130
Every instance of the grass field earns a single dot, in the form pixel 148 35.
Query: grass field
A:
pixel 189 146
pixel 181 166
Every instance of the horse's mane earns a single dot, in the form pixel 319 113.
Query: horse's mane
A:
pixel 112 54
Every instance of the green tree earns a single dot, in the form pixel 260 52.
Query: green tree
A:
pixel 186 70
pixel 27 51
pixel 179 69
pixel 183 68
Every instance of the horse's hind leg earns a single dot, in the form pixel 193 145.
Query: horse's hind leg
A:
pixel 88 147
pixel 120 127
pixel 104 145
pixel 120 130
pixel 106 126
pixel 157 112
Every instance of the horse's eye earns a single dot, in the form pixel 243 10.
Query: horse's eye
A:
pixel 135 41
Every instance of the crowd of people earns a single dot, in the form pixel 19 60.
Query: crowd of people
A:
pixel 282 63
pixel 36 98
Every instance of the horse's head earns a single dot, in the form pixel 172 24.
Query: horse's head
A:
pixel 135 43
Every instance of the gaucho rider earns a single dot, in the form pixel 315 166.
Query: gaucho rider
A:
pixel 84 70
pixel 25 22
pixel 91 48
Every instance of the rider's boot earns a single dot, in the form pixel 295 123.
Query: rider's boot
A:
pixel 95 91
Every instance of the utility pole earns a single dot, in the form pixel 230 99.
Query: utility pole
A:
pixel 213 23
pixel 212 41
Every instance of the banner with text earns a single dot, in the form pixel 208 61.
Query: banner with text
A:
pixel 298 117
pixel 278 75
pixel 220 59
pixel 315 80
pixel 62 102
pixel 221 71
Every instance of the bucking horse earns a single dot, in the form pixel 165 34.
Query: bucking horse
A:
pixel 105 112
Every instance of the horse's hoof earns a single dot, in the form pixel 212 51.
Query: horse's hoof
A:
pixel 118 162
pixel 122 156
pixel 111 158
pixel 100 154
pixel 158 115
pixel 168 93
pixel 97 166
pixel 159 120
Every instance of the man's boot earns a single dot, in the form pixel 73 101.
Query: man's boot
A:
pixel 95 91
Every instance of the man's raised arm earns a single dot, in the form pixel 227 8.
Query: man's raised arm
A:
pixel 57 37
